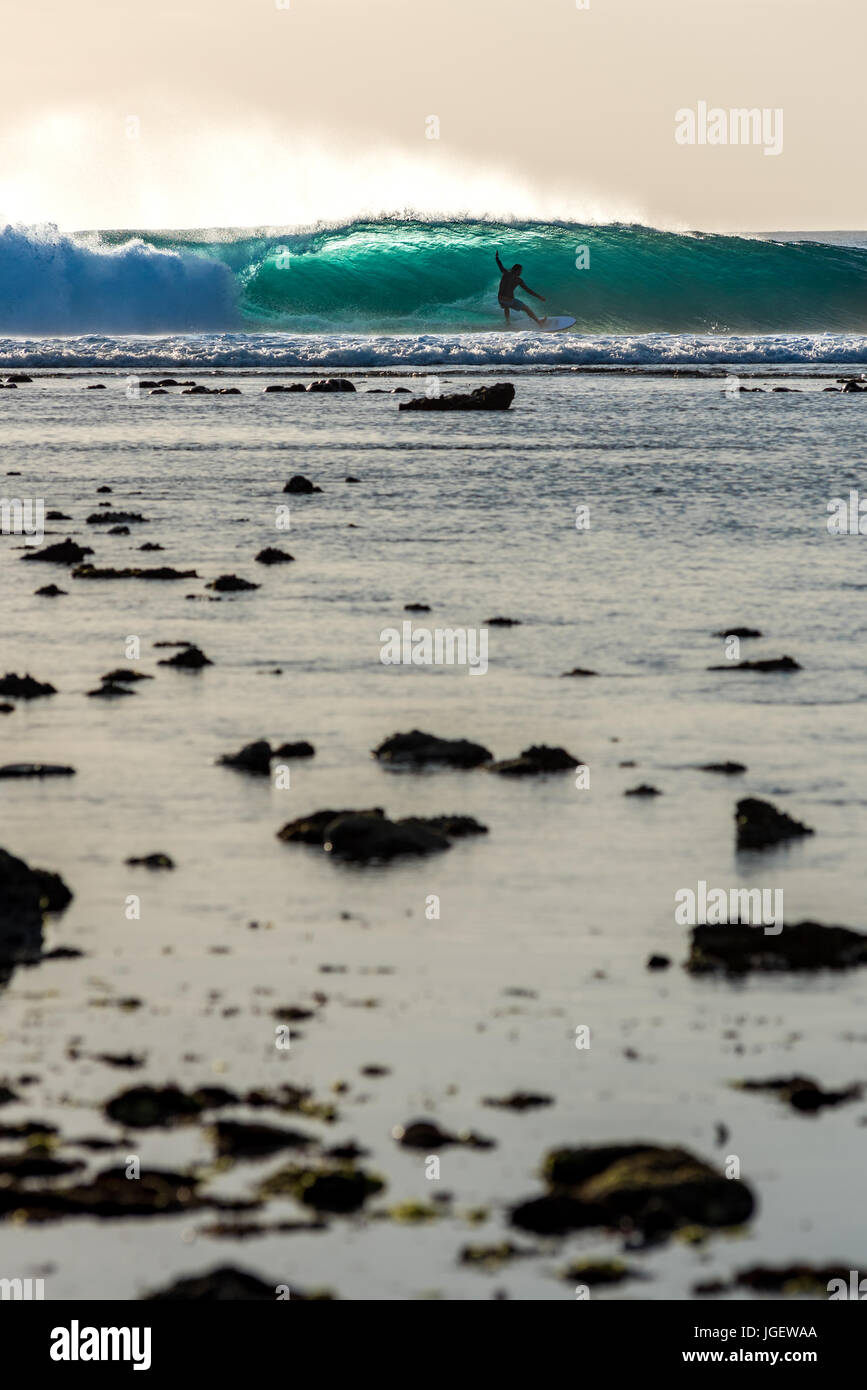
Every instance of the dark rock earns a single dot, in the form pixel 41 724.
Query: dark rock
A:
pixel 644 789
pixel 50 591
pixel 759 825
pixel 331 383
pixel 801 1093
pixel 738 632
pixel 231 584
pixel 253 757
pixel 417 748
pixel 119 531
pixel 57 516
pixel 150 545
pixel 633 1186
pixel 735 949
pixel 226 1285
pixel 25 896
pixel 599 1273
pixel 165 572
pixel 302 749
pixel 338 1189
pixel 769 664
pixel 190 659
pixel 24 687
pixel 502 622
pixel 36 770
pixel 237 1139
pixel 455 827
pixel 534 760
pixel 110 518
pixel 271 555
pixel 350 479
pixel 158 392
pixel 416 608
pixel 152 1107
pixel 109 1195
pixel 152 861
pixel 198 391
pixel 726 769
pixel 423 1134
pixel 109 690
pixel 658 963
pixel 67 552
pixel 299 484
pixel 851 386
pixel 365 838
pixel 310 830
pixel 6 708
pixel 498 397
pixel 797 1279
pixel 518 1100
pixel 125 676
pixel 105 488
pixel 580 671
pixel 19 378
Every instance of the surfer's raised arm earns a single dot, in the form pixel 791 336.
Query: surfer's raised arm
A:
pixel 500 265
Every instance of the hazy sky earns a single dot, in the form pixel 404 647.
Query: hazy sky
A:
pixel 172 113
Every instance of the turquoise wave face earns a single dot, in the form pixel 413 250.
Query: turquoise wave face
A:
pixel 408 276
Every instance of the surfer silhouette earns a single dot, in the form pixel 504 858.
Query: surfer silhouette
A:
pixel 509 282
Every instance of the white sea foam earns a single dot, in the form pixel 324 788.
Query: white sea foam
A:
pixel 511 349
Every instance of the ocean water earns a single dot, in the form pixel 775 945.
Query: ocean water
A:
pixel 706 510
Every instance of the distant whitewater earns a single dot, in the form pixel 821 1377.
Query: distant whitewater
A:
pixel 390 277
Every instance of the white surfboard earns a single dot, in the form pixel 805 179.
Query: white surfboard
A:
pixel 554 323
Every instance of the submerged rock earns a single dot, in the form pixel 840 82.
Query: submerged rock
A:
pixel 271 555
pixel 109 690
pixel 24 687
pixel 803 1094
pixel 163 572
pixel 36 770
pixel 231 584
pixel 369 835
pixel 302 749
pixel 641 1187
pixel 497 397
pixel 253 757
pixel 725 769
pixel 502 622
pixel 67 552
pixel 152 1107
pixel 299 484
pixel 738 632
pixel 227 1285
pixel 539 758
pixel 124 675
pixel 237 1139
pixel 110 518
pixel 760 825
pixel 26 895
pixel 331 383
pixel 769 664
pixel 735 949
pixel 50 591
pixel 427 1134
pixel 644 789
pixel 580 671
pixel 189 659
pixel 518 1100
pixel 151 861
pixel 335 1188
pixel 417 748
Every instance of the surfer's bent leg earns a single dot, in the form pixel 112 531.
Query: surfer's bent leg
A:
pixel 525 309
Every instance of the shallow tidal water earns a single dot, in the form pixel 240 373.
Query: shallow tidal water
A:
pixel 705 511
